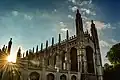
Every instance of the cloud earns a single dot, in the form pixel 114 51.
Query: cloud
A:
pixel 55 10
pixel 62 24
pixel 15 13
pixel 74 8
pixel 109 26
pixel 27 17
pixel 73 1
pixel 114 41
pixel 70 16
pixel 104 43
pixel 105 46
pixel 88 11
pixel 64 29
pixel 99 25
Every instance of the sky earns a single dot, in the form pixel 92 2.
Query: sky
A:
pixel 32 22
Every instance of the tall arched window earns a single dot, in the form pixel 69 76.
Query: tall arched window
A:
pixel 90 62
pixel 63 59
pixel 73 58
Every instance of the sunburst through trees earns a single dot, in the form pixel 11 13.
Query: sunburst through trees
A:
pixel 9 67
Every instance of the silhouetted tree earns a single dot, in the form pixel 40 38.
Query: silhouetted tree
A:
pixel 111 72
pixel 113 54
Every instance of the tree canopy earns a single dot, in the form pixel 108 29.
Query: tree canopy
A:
pixel 111 72
pixel 113 54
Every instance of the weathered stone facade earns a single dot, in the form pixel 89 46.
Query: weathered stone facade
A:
pixel 76 58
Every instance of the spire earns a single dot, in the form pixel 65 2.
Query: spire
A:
pixel 46 44
pixel 30 51
pixel 59 38
pixel 94 34
pixel 78 12
pixel 3 49
pixel 6 49
pixel 78 15
pixel 52 41
pixel 67 36
pixel 41 46
pixel 19 53
pixel 23 55
pixel 9 46
pixel 79 24
pixel 37 49
pixel 33 49
pixel 19 50
pixel 27 53
pixel 92 23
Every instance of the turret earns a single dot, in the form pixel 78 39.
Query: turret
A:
pixel 67 35
pixel 33 49
pixel 26 53
pixel 94 34
pixel 9 46
pixel 59 38
pixel 6 49
pixel 37 49
pixel 46 48
pixel 3 49
pixel 19 53
pixel 52 41
pixel 41 46
pixel 46 44
pixel 98 59
pixel 79 24
pixel 23 55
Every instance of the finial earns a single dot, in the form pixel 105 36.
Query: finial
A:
pixel 37 49
pixel 67 36
pixel 27 53
pixel 23 55
pixel 59 38
pixel 41 46
pixel 78 15
pixel 92 22
pixel 19 50
pixel 33 49
pixel 46 44
pixel 77 10
pixel 6 47
pixel 52 41
pixel 10 39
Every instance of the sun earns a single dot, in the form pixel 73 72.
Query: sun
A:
pixel 11 58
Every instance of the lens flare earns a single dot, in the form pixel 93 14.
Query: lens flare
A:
pixel 11 58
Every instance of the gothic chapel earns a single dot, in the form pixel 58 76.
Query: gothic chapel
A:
pixel 75 58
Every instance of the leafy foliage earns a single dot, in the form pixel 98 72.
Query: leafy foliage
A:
pixel 111 72
pixel 113 54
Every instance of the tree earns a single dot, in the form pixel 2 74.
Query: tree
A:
pixel 111 72
pixel 113 54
